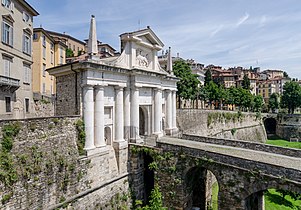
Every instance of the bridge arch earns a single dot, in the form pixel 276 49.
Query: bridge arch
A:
pixel 201 188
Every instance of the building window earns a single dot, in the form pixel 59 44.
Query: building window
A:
pixel 7 104
pixel 26 17
pixel 8 4
pixel 7 33
pixel 27 105
pixel 51 46
pixel 35 36
pixel 27 73
pixel 6 66
pixel 44 88
pixel 61 56
pixel 44 70
pixel 44 52
pixel 52 57
pixel 51 89
pixel 44 40
pixel 27 43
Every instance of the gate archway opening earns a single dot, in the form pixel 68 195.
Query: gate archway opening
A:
pixel 270 125
pixel 143 117
pixel 149 177
pixel 202 189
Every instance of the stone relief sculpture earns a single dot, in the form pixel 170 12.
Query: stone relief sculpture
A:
pixel 142 58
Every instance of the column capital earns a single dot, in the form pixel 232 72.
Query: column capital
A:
pixel 99 87
pixel 87 86
pixel 158 89
pixel 118 87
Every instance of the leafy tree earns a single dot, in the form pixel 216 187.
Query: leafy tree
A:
pixel 69 53
pixel 246 82
pixel 273 102
pixel 285 75
pixel 208 77
pixel 293 195
pixel 291 98
pixel 212 92
pixel 188 84
pixel 258 103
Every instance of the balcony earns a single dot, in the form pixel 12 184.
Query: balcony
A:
pixel 8 83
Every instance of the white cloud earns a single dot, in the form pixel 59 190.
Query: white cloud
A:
pixel 242 19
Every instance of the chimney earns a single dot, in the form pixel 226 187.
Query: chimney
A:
pixel 92 42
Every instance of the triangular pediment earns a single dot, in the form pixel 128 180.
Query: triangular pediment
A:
pixel 144 36
pixel 8 18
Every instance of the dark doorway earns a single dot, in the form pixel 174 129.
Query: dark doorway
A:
pixel 255 201
pixel 141 122
pixel 149 178
pixel 202 189
pixel 270 126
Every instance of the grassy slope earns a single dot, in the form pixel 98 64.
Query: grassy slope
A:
pixel 274 201
pixel 215 196
pixel 283 143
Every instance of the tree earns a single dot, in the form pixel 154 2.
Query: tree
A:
pixel 246 82
pixel 155 202
pixel 285 75
pixel 212 92
pixel 188 84
pixel 258 103
pixel 291 98
pixel 69 53
pixel 208 77
pixel 273 102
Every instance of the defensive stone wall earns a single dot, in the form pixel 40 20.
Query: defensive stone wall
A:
pixel 42 167
pixel 44 108
pixel 221 124
pixel 246 145
pixel 289 126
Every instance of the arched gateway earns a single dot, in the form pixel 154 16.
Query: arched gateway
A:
pixel 131 85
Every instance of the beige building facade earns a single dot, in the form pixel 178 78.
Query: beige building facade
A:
pixel 72 43
pixel 47 53
pixel 16 100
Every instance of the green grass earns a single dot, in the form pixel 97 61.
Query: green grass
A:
pixel 284 143
pixel 215 196
pixel 274 201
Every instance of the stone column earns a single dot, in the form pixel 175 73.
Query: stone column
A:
pixel 261 203
pixel 88 98
pixel 174 109
pixel 99 139
pixel 127 112
pixel 135 115
pixel 158 112
pixel 119 114
pixel 169 112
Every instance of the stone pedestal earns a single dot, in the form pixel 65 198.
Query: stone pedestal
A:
pixel 121 153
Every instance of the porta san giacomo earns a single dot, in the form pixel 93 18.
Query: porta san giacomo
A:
pixel 122 99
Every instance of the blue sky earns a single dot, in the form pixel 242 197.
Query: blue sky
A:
pixel 265 33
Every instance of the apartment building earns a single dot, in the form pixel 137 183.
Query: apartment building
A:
pixel 266 89
pixel 16 100
pixel 77 46
pixel 47 53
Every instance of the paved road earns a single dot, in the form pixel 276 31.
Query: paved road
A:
pixel 264 157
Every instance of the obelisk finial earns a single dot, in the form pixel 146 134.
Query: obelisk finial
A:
pixel 169 62
pixel 92 42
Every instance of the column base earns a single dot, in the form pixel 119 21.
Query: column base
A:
pixel 97 151
pixel 137 140
pixel 158 134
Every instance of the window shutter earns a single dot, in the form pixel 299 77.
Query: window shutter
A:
pixel 3 2
pixel 6 67
pixel 23 42
pixel 11 34
pixel 24 16
pixel 3 33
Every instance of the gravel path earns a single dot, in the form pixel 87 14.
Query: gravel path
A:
pixel 264 157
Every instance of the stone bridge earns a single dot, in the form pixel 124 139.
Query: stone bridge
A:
pixel 242 174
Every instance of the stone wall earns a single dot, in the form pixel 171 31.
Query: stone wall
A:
pixel 221 124
pixel 44 108
pixel 289 126
pixel 50 173
pixel 68 94
pixel 245 144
